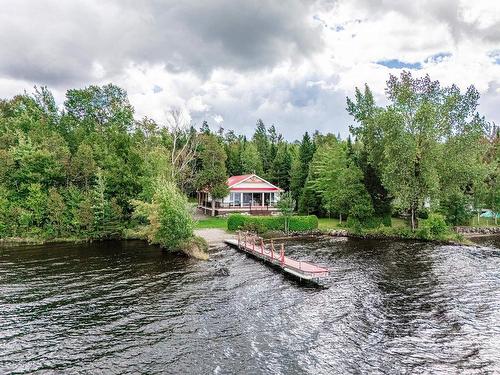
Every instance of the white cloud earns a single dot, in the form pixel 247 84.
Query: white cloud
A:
pixel 290 65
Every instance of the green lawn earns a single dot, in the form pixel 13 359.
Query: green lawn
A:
pixel 327 223
pixel 483 222
pixel 332 223
pixel 324 223
pixel 211 222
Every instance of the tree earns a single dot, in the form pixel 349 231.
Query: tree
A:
pixel 250 160
pixel 339 181
pixel 286 205
pixel 204 128
pixel 234 158
pixel 36 203
pixel 55 210
pixel 410 134
pixel 281 167
pixel 213 177
pixel 301 169
pixel 261 141
pixel 83 165
pixel 370 156
pixel 183 146
pixel 170 216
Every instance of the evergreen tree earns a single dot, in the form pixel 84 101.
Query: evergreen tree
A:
pixel 301 169
pixel 204 128
pixel 281 166
pixel 233 161
pixel 250 160
pixel 261 141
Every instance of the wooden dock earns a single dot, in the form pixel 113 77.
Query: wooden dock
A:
pixel 254 245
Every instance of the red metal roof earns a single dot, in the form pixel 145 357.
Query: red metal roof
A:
pixel 233 180
pixel 255 189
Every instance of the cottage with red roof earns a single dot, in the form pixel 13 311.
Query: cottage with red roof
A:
pixel 247 193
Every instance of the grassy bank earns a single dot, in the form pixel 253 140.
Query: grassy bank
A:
pixel 333 223
pixel 211 222
pixel 406 233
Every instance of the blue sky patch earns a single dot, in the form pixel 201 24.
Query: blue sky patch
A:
pixel 495 55
pixel 438 57
pixel 398 64
pixel 157 89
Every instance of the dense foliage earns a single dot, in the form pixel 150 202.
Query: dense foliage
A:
pixel 83 169
pixel 262 224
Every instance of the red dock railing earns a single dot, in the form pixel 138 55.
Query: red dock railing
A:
pixel 304 270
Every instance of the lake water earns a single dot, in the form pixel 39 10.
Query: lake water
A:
pixel 125 307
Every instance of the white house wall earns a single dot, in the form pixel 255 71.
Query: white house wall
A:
pixel 253 185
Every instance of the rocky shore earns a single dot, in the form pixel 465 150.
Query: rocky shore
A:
pixel 478 231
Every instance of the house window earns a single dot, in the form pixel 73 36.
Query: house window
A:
pixel 247 198
pixel 235 199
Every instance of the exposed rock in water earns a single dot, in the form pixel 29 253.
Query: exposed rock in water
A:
pixel 223 271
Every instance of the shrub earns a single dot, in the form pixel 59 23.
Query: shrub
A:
pixel 387 221
pixel 261 224
pixel 195 247
pixel 456 209
pixel 303 223
pixel 367 223
pixel 170 217
pixel 254 226
pixel 354 224
pixel 235 221
pixel 435 224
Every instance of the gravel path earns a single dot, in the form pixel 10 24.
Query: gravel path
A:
pixel 214 236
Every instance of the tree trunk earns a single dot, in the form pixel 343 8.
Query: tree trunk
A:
pixel 340 216
pixel 413 218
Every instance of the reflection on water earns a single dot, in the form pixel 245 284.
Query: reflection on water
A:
pixel 124 307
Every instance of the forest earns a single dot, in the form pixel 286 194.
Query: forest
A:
pixel 87 169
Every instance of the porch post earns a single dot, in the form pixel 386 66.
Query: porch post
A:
pixel 213 206
pixel 241 199
pixel 262 200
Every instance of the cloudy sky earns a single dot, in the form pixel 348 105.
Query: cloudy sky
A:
pixel 291 63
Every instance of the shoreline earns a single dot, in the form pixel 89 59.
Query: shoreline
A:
pixel 215 237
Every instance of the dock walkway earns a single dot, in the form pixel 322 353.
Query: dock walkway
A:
pixel 255 246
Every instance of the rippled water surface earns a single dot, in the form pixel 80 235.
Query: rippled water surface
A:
pixel 124 307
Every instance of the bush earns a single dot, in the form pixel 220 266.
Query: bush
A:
pixel 354 224
pixel 195 247
pixel 256 227
pixel 170 217
pixel 387 221
pixel 367 223
pixel 456 209
pixel 303 223
pixel 235 222
pixel 435 224
pixel 261 224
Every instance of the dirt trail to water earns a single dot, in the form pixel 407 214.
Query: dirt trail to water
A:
pixel 214 236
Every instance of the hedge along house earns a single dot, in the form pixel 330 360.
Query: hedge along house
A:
pixel 247 193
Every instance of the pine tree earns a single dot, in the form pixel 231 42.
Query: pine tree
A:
pixel 282 164
pixel 301 170
pixel 261 141
pixel 250 160
pixel 204 128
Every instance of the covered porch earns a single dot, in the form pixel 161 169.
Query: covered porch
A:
pixel 252 202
